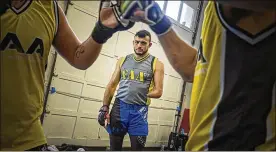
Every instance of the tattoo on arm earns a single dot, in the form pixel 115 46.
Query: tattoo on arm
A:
pixel 79 51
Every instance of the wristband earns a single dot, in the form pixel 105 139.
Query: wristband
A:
pixel 162 27
pixel 101 33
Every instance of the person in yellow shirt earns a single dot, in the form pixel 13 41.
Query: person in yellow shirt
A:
pixel 233 72
pixel 28 29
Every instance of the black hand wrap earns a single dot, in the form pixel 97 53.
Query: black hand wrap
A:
pixel 102 33
pixel 103 112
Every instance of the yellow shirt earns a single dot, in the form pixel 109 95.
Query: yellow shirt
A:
pixel 26 37
pixel 231 107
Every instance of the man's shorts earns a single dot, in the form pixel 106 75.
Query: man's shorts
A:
pixel 128 118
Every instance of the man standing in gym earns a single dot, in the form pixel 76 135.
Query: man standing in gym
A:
pixel 140 77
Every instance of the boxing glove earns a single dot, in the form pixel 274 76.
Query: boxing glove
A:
pixel 103 114
pixel 109 9
pixel 152 15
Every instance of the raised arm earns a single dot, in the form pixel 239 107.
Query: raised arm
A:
pixel 181 55
pixel 78 54
pixel 81 55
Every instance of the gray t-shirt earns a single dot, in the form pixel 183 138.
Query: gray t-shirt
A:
pixel 136 80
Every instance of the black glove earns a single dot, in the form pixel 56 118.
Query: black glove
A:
pixel 102 33
pixel 103 112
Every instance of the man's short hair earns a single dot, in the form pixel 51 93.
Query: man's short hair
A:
pixel 143 33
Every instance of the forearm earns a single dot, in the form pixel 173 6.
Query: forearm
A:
pixel 80 55
pixel 108 95
pixel 181 56
pixel 155 93
pixel 86 54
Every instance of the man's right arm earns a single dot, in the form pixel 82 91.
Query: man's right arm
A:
pixel 112 85
pixel 180 54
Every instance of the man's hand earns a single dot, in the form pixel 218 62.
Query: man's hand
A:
pixel 146 11
pixel 107 18
pixel 109 21
pixel 103 117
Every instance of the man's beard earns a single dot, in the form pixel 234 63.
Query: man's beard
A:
pixel 140 53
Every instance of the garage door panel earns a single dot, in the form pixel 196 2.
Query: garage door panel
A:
pixel 167 67
pixel 90 6
pixel 47 125
pixel 93 92
pixel 125 44
pixel 193 4
pixel 165 83
pixel 76 18
pixel 188 92
pixel 155 103
pixel 60 126
pixel 110 45
pixel 173 72
pixel 100 75
pixel 157 51
pixel 169 105
pixel 153 114
pixel 172 88
pixel 137 27
pixel 167 115
pixel 153 130
pixel 88 107
pixel 62 66
pixel 183 34
pixel 164 133
pixel 103 134
pixel 67 86
pixel 126 142
pixel 63 102
pixel 50 61
pixel 86 129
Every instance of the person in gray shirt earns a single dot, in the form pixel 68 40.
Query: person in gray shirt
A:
pixel 140 78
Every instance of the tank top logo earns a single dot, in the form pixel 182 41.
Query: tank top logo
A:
pixel 11 41
pixel 134 75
